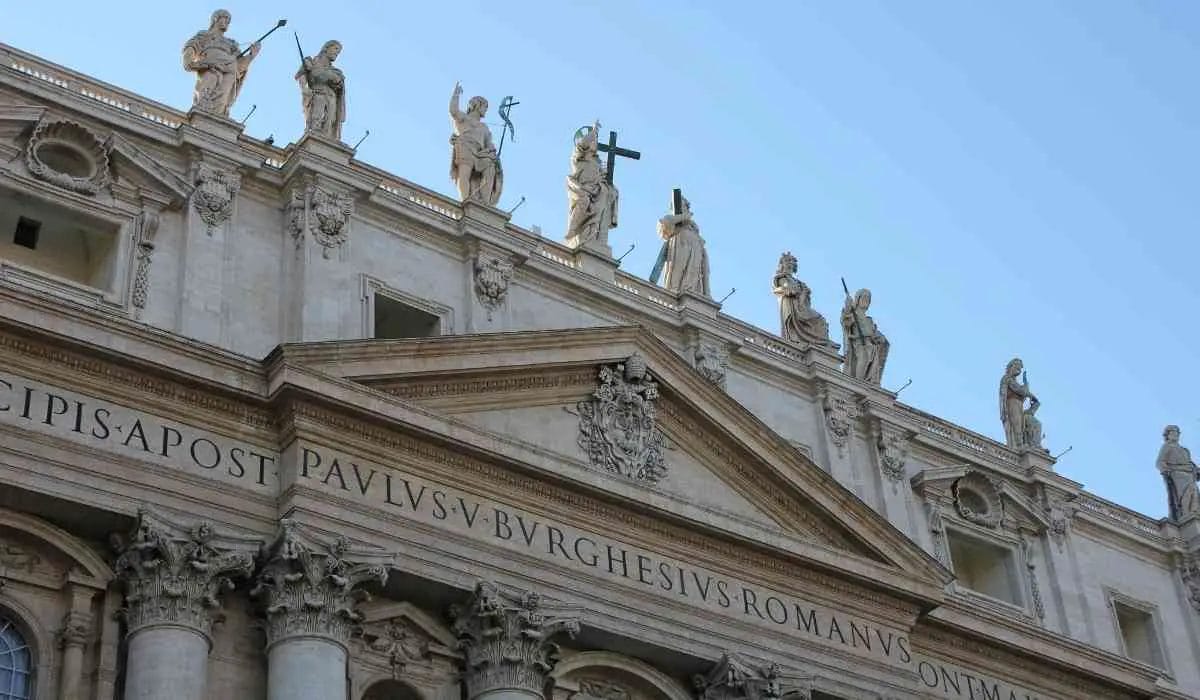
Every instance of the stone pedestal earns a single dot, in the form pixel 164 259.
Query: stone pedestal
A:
pixel 172 578
pixel 505 638
pixel 309 590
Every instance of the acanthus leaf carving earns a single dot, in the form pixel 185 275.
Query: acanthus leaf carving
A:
pixel 733 678
pixel 505 637
pixel 310 587
pixel 321 212
pixel 174 575
pixel 618 426
pixel 215 193
pixel 398 640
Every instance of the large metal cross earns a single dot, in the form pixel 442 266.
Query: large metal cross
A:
pixel 613 151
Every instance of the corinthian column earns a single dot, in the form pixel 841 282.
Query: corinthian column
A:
pixel 172 577
pixel 506 641
pixel 309 590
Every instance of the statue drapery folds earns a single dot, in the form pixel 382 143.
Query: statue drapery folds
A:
pixel 219 70
pixel 323 89
pixel 474 163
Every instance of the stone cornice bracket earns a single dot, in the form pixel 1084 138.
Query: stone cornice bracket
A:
pixel 316 209
pixel 173 575
pixel 841 411
pixel 215 193
pixel 892 445
pixel 505 638
pixel 734 678
pixel 311 588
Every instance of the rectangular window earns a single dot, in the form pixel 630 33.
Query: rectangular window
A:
pixel 985 567
pixel 27 232
pixel 395 319
pixel 1139 635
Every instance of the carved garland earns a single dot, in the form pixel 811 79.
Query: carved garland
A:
pixel 618 426
pixel 146 226
pixel 68 155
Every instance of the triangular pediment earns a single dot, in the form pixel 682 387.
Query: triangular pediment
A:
pixel 544 390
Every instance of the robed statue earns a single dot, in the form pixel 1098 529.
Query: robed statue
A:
pixel 799 322
pixel 1014 391
pixel 219 70
pixel 866 347
pixel 1180 474
pixel 323 89
pixel 683 259
pixel 474 163
pixel 591 198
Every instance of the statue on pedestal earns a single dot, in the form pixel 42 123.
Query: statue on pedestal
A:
pixel 591 197
pixel 798 321
pixel 866 347
pixel 1180 474
pixel 474 163
pixel 220 70
pixel 1013 414
pixel 683 257
pixel 323 88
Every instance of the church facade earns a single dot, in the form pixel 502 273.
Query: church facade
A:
pixel 275 423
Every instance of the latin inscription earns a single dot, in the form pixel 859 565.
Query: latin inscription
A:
pixel 46 409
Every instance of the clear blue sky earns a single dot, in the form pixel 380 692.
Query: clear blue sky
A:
pixel 1009 178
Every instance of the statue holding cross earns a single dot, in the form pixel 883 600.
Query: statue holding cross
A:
pixel 591 196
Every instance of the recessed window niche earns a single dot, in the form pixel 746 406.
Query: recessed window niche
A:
pixel 985 567
pixel 53 240
pixel 1139 633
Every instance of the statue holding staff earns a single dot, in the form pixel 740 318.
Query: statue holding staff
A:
pixel 474 163
pixel 866 347
pixel 1180 474
pixel 591 197
pixel 219 66
pixel 683 260
pixel 323 88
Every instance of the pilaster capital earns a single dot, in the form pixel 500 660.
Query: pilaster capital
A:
pixel 505 638
pixel 76 629
pixel 310 587
pixel 174 574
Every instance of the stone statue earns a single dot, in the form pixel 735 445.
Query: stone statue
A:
pixel 474 163
pixel 220 72
pixel 591 198
pixel 798 321
pixel 1180 473
pixel 1013 393
pixel 323 88
pixel 1032 426
pixel 685 265
pixel 866 347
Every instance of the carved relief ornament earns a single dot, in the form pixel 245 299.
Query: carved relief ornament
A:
pixel 492 277
pixel 840 413
pixel 711 362
pixel 618 427
pixel 214 195
pixel 320 212
pixel 68 155
pixel 174 575
pixel 398 640
pixel 145 228
pixel 733 678
pixel 505 638
pixel 978 500
pixel 312 588
pixel 892 445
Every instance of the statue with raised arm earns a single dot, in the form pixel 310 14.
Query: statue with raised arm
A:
pixel 220 70
pixel 474 164
pixel 866 347
pixel 1180 474
pixel 323 89
pixel 685 261
pixel 799 322
pixel 1014 389
pixel 591 198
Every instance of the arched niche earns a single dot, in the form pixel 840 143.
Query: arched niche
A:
pixel 606 675
pixel 34 548
pixel 391 689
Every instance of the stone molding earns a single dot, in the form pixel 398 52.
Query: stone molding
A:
pixel 734 678
pixel 505 637
pixel 311 588
pixel 175 575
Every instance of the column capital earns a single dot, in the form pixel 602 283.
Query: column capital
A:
pixel 506 639
pixel 735 678
pixel 173 574
pixel 310 587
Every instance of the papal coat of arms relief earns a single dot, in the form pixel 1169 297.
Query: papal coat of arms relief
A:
pixel 617 423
